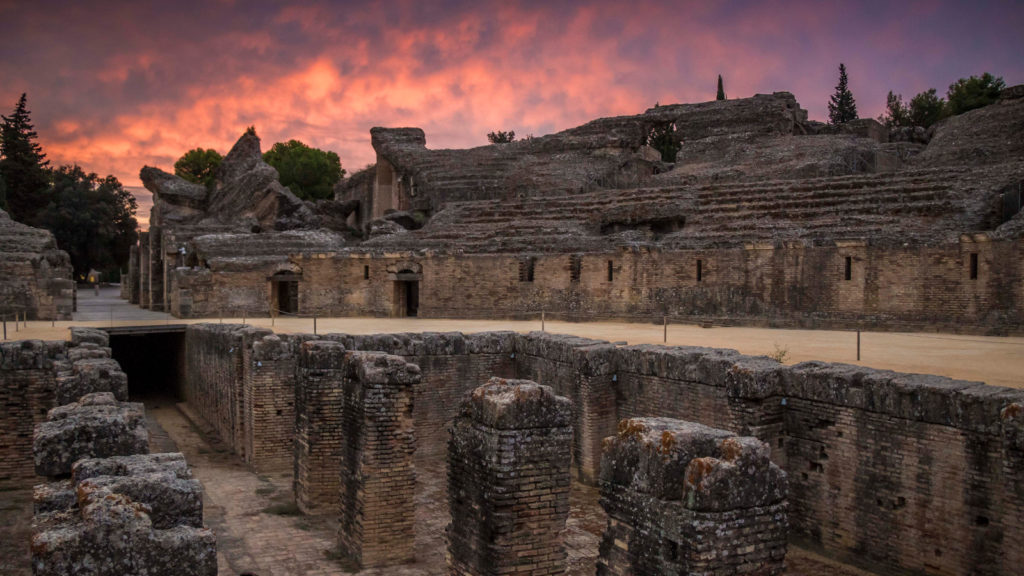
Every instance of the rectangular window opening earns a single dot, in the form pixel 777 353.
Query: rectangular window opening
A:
pixel 575 267
pixel 526 266
pixel 366 272
pixel 848 275
pixel 611 271
pixel 700 270
pixel 974 266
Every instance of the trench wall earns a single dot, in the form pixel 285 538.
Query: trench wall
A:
pixel 909 472
pixel 28 376
pixel 920 287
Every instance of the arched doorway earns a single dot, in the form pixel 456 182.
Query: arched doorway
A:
pixel 284 292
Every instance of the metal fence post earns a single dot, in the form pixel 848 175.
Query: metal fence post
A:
pixel 664 320
pixel 858 345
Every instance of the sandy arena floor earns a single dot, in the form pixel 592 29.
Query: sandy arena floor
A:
pixel 994 360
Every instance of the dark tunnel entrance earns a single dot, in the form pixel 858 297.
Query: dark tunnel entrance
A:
pixel 153 357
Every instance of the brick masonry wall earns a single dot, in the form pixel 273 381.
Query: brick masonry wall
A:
pixel 215 377
pixel 319 437
pixel 27 384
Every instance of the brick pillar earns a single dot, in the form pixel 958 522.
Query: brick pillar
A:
pixel 1012 424
pixel 596 410
pixel 318 433
pixel 683 498
pixel 508 480
pixel 378 479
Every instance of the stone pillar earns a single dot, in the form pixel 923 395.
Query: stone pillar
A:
pixel 508 480
pixel 156 269
pixel 143 269
pixel 683 498
pixel 378 479
pixel 133 275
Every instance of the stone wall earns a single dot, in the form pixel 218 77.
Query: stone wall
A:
pixel 915 287
pixel 35 275
pixel 683 498
pixel 508 481
pixel 870 453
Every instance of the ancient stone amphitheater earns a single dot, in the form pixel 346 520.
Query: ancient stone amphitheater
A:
pixel 488 446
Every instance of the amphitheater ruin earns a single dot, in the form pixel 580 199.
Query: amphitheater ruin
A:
pixel 536 453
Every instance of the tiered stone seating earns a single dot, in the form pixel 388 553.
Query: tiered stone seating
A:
pixel 906 206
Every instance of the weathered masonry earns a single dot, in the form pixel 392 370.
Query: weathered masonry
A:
pixel 763 218
pixel 35 276
pixel 870 455
pixel 107 507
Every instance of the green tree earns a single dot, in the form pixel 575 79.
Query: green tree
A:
pixel 896 112
pixel 721 89
pixel 500 137
pixel 664 139
pixel 310 173
pixel 974 92
pixel 199 166
pixel 926 109
pixel 841 106
pixel 23 165
pixel 92 218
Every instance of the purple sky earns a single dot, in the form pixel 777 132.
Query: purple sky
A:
pixel 115 86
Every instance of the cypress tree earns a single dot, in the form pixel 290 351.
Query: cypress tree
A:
pixel 841 107
pixel 721 89
pixel 22 165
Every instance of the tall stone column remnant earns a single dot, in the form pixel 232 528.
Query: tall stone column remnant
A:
pixel 684 498
pixel 509 460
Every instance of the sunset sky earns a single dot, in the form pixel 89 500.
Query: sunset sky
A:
pixel 115 86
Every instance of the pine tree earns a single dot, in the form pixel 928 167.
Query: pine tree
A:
pixel 721 89
pixel 841 107
pixel 22 165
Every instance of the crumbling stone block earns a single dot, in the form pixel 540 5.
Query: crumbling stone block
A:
pixel 110 534
pixel 81 335
pixel 378 479
pixel 683 498
pixel 91 375
pixel 88 350
pixel 508 480
pixel 95 426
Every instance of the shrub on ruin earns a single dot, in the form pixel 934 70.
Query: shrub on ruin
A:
pixel 665 140
pixel 896 112
pixel 310 173
pixel 199 166
pixel 974 92
pixel 501 137
pixel 841 106
pixel 926 109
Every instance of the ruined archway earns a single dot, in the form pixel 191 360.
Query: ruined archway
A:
pixel 406 277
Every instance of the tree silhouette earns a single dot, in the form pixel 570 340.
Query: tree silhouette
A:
pixel 22 165
pixel 721 89
pixel 841 107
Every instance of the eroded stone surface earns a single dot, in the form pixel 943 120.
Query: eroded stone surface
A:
pixel 95 426
pixel 685 498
